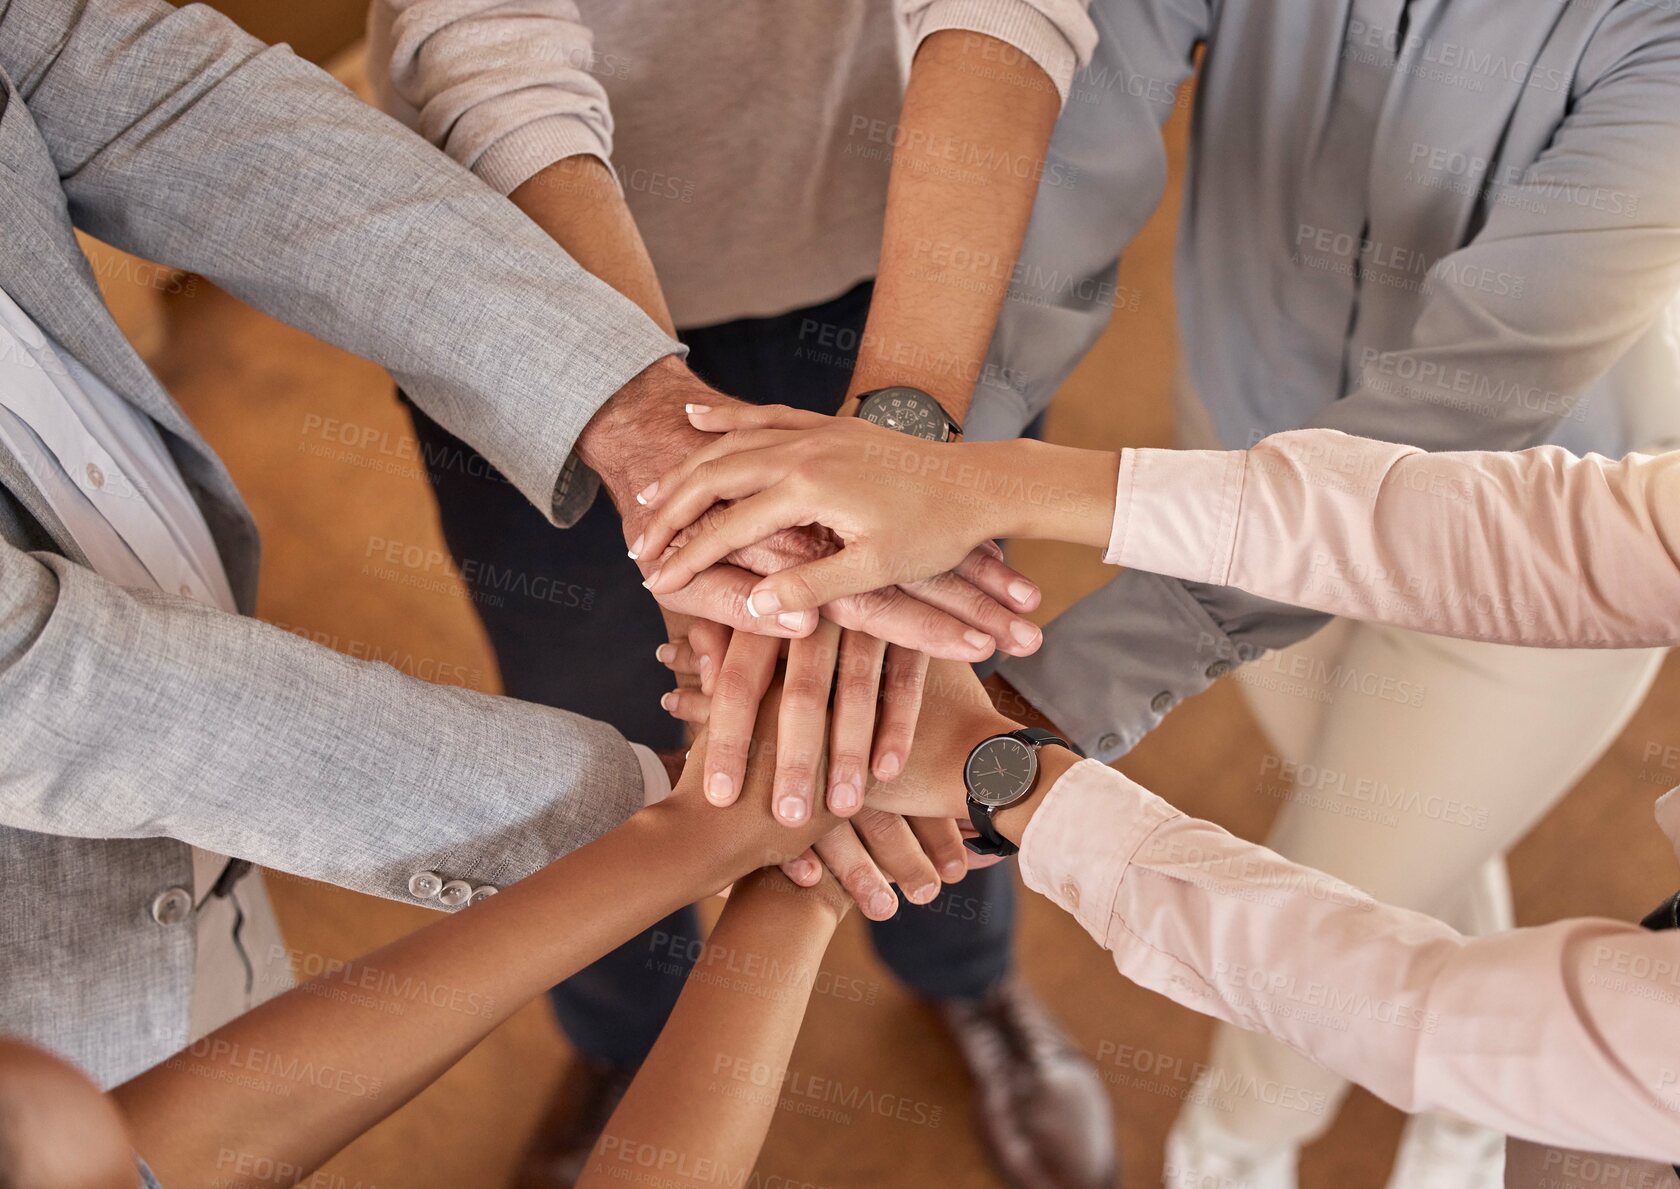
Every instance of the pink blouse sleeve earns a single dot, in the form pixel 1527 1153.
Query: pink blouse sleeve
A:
pixel 1563 1033
pixel 1538 547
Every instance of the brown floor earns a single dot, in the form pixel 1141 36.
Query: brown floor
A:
pixel 326 460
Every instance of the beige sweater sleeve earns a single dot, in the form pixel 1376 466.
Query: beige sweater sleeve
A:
pixel 505 87
pixel 1056 34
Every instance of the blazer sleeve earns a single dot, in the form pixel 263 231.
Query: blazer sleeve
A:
pixel 137 715
pixel 180 138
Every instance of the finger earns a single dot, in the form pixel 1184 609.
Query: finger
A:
pixel 898 618
pixel 993 548
pixel 724 418
pixel 898 853
pixel 843 853
pixel 679 657
pixel 803 723
pixel 685 495
pixel 687 705
pixel 710 642
pixel 942 841
pixel 806 870
pixel 961 599
pixel 747 668
pixel 901 706
pixel 856 691
pixel 720 595
pixel 991 575
pixel 722 446
pixel 714 537
pixel 851 571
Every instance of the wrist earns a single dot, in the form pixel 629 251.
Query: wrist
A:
pixel 1053 764
pixel 643 430
pixel 1053 493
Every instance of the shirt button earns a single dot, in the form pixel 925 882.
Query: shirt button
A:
pixel 95 476
pixel 482 892
pixel 172 906
pixel 1109 742
pixel 1161 702
pixel 1070 893
pixel 186 589
pixel 1218 669
pixel 455 893
pixel 425 885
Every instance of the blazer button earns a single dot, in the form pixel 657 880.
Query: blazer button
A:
pixel 455 893
pixel 482 892
pixel 1161 702
pixel 425 885
pixel 172 906
pixel 1070 893
pixel 1108 742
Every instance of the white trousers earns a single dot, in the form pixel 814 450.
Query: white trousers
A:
pixel 1408 765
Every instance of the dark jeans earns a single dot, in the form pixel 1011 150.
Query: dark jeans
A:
pixel 593 654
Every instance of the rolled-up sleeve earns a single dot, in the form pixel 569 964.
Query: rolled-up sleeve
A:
pixel 1056 34
pixel 503 86
pixel 1585 1055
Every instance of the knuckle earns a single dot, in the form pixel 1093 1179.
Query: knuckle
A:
pixel 735 688
pixel 804 689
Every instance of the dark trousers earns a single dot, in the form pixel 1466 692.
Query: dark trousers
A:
pixel 593 654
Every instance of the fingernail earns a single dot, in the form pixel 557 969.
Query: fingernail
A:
pixel 719 788
pixel 1022 591
pixel 668 701
pixel 1025 633
pixel 648 492
pixel 705 674
pixel 636 545
pixel 882 905
pixel 976 639
pixel 843 796
pixel 804 871
pixel 666 653
pixel 650 580
pixel 692 410
pixel 763 602
pixel 889 765
pixel 953 870
pixel 791 809
pixel 793 621
pixel 924 893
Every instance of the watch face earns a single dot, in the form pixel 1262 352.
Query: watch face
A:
pixel 908 410
pixel 1000 771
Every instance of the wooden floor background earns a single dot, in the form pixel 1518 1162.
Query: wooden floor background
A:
pixel 281 408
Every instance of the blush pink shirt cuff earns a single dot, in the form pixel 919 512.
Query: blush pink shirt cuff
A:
pixel 1563 1034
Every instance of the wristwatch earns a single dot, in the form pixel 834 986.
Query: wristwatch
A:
pixel 999 772
pixel 908 410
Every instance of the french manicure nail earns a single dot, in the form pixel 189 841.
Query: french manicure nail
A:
pixel 651 579
pixel 977 639
pixel 668 701
pixel 1025 633
pixel 882 905
pixel 793 621
pixel 647 493
pixel 692 410
pixel 889 765
pixel 792 809
pixel 763 602
pixel 843 797
pixel 719 788
pixel 665 653
pixel 1022 591
pixel 636 546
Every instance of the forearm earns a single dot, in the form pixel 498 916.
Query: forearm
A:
pixel 578 203
pixel 698 1111
pixel 975 125
pixel 302 1075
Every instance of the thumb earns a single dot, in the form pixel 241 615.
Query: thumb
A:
pixel 807 587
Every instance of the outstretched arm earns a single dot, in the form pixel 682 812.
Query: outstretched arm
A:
pixel 698 1111
pixel 304 1074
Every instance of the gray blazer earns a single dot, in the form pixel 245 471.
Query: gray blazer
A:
pixel 132 724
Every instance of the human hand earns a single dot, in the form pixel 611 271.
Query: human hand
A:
pixel 903 509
